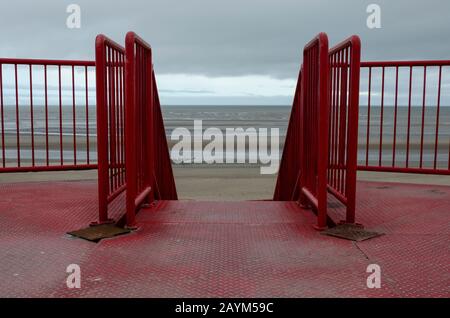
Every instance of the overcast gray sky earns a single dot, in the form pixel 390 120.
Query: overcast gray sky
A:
pixel 226 52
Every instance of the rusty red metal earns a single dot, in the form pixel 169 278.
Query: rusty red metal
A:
pixel 110 87
pixel 29 109
pixel 423 112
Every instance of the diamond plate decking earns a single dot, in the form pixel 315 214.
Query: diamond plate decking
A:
pixel 224 249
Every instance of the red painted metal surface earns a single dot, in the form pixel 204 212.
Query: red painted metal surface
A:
pixel 304 173
pixel 412 92
pixel 314 109
pixel 286 188
pixel 110 86
pixel 226 249
pixel 149 170
pixel 344 62
pixel 29 89
pixel 165 188
pixel 139 126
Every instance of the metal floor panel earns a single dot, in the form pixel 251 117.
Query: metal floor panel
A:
pixel 223 249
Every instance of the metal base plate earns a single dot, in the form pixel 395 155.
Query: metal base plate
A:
pixel 351 232
pixel 98 232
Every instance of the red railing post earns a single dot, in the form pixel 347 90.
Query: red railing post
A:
pixel 140 125
pixel 130 128
pixel 102 127
pixel 110 135
pixel 353 117
pixel 314 127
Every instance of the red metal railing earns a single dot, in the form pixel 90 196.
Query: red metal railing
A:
pixel 406 126
pixel 320 151
pixel 314 127
pixel 45 115
pixel 147 152
pixel 110 86
pixel 132 147
pixel 139 114
pixel 344 62
pixel 286 188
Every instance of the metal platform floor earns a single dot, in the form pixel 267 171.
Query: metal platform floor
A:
pixel 224 249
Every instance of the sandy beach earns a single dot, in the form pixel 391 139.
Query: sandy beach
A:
pixel 221 183
pixel 214 181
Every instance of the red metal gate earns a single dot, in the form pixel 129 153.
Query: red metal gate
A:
pixel 132 148
pixel 110 86
pixel 344 62
pixel 140 125
pixel 314 127
pixel 321 143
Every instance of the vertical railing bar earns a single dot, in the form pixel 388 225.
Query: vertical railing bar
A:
pixel 110 118
pixel 423 114
pixel 344 123
pixel 336 119
pixel 60 118
pixel 368 116
pixel 141 115
pixel 332 122
pixel 2 117
pixel 118 141
pixel 337 113
pixel 31 115
pixel 395 117
pixel 333 119
pixel 409 116
pixel 121 124
pixel 116 175
pixel 330 129
pixel 87 113
pixel 114 116
pixel 74 117
pixel 436 135
pixel 17 116
pixel 46 116
pixel 380 148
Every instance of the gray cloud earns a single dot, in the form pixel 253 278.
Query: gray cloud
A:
pixel 226 38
